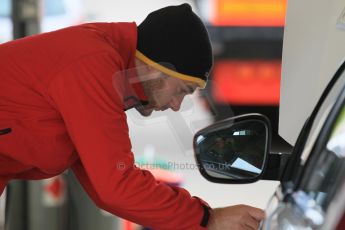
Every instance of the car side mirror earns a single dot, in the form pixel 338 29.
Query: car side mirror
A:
pixel 234 150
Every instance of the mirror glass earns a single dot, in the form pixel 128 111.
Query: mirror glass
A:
pixel 232 151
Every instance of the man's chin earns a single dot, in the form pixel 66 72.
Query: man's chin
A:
pixel 144 112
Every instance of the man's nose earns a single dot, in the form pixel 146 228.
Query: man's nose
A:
pixel 175 103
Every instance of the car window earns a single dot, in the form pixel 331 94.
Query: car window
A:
pixel 53 7
pixel 303 147
pixel 5 8
pixel 307 202
pixel 321 116
pixel 324 174
pixel 328 172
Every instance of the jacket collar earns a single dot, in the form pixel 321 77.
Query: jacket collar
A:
pixel 124 40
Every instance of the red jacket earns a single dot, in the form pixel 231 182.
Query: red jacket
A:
pixel 59 110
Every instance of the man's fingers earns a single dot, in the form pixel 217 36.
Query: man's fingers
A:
pixel 252 223
pixel 242 217
pixel 257 213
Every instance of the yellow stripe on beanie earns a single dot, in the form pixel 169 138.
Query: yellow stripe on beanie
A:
pixel 168 71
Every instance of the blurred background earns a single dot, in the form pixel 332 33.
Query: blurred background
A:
pixel 247 44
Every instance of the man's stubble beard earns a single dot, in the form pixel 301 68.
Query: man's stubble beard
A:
pixel 149 87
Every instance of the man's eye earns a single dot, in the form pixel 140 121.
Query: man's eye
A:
pixel 185 92
pixel 181 91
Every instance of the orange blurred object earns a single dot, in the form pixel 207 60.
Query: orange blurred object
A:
pixel 247 82
pixel 261 13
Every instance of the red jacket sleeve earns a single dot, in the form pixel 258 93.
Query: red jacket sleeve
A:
pixel 95 120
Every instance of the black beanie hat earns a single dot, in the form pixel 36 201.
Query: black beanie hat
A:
pixel 175 35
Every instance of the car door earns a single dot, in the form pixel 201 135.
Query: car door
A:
pixel 313 184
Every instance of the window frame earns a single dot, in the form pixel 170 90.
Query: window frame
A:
pixel 295 170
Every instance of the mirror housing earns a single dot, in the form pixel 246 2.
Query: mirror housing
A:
pixel 234 150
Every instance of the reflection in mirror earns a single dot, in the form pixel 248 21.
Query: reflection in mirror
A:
pixel 236 152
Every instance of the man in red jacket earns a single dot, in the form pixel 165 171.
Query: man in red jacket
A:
pixel 63 97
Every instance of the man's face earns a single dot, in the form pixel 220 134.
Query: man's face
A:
pixel 166 92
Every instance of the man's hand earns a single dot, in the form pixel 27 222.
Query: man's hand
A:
pixel 235 218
